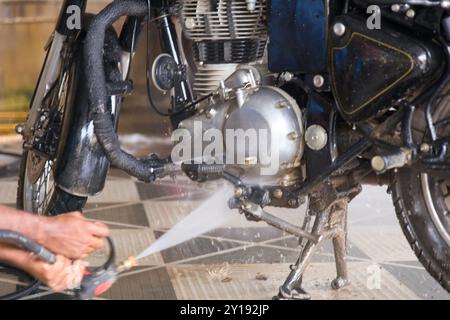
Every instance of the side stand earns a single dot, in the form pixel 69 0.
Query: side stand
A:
pixel 329 224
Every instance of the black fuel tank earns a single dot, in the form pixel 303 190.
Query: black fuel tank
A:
pixel 372 70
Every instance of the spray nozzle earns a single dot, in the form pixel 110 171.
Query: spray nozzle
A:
pixel 127 264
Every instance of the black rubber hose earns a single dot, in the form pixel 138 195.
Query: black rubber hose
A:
pixel 32 288
pixel 143 169
pixel 32 246
pixel 28 244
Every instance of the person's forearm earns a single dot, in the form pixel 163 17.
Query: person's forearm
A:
pixel 14 256
pixel 25 223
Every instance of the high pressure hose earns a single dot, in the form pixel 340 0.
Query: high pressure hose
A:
pixel 30 245
pixel 143 169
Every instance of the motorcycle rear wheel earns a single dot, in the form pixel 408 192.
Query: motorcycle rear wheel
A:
pixel 422 201
pixel 422 204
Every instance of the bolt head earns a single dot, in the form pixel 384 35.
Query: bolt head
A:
pixel 411 13
pixel 287 76
pixel 339 29
pixel 239 192
pixel 190 23
pixel 20 128
pixel 316 137
pixel 318 81
pixel 278 193
pixel 293 136
pixel 425 148
pixel 395 8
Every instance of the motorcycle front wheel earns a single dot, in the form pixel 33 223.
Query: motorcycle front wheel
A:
pixel 37 191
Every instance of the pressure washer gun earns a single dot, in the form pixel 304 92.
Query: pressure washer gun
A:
pixel 97 281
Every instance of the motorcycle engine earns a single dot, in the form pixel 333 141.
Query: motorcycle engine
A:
pixel 258 123
pixel 229 39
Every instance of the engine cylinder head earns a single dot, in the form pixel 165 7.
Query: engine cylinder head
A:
pixel 224 34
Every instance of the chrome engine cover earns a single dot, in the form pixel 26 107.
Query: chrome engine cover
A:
pixel 244 105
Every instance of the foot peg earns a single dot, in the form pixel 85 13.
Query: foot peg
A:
pixel 399 159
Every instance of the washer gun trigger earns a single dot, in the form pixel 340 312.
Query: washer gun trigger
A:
pixel 97 281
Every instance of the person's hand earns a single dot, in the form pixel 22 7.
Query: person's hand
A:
pixel 72 236
pixel 63 274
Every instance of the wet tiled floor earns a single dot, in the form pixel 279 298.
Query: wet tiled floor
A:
pixel 241 260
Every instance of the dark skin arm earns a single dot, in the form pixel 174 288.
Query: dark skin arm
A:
pixel 63 274
pixel 70 235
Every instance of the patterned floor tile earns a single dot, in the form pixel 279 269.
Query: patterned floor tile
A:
pixel 418 280
pixel 251 234
pixel 249 255
pixel 165 214
pixel 367 282
pixel 195 248
pixel 261 281
pixel 8 192
pixel 372 207
pixel 223 281
pixel 382 244
pixel 324 252
pixel 127 243
pixel 151 191
pixel 118 191
pixel 130 215
pixel 242 259
pixel 149 285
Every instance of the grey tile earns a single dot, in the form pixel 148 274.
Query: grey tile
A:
pixel 10 169
pixel 372 207
pixel 251 255
pixel 152 191
pixel 325 252
pixel 419 281
pixel 117 173
pixel 255 234
pixel 132 215
pixel 194 247
pixel 154 285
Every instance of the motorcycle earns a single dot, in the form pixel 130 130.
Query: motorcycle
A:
pixel 350 92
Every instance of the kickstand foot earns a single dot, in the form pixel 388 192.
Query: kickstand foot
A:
pixel 294 294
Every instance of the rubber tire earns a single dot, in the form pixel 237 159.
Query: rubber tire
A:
pixel 418 227
pixel 63 202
